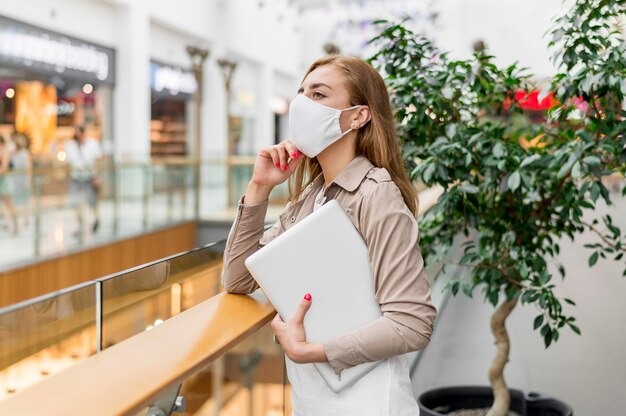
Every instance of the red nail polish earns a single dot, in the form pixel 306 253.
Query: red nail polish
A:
pixel 294 155
pixel 277 164
pixel 307 297
pixel 284 167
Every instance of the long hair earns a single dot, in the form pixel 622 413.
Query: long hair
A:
pixel 377 140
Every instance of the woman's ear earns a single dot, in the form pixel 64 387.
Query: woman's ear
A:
pixel 361 118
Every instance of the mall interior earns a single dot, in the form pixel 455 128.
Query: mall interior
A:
pixel 111 298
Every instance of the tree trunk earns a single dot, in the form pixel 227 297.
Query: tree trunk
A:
pixel 502 398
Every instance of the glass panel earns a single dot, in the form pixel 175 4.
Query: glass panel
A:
pixel 132 199
pixel 45 337
pixel 138 300
pixel 239 177
pixel 249 380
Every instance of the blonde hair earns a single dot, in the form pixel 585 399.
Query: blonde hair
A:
pixel 377 140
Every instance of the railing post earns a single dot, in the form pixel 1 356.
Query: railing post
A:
pixel 217 372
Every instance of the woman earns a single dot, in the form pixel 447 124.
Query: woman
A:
pixel 344 147
pixel 6 188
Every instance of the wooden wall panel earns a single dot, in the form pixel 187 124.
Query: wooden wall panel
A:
pixel 54 274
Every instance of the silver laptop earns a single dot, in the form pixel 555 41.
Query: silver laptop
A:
pixel 323 255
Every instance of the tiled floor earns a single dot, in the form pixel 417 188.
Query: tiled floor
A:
pixel 588 371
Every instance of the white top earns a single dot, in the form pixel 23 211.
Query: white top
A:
pixel 384 391
pixel 82 158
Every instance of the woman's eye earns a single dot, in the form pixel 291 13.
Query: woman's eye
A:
pixel 318 94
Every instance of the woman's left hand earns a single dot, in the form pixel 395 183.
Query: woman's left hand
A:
pixel 292 337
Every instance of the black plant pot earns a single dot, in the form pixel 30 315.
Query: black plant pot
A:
pixel 441 401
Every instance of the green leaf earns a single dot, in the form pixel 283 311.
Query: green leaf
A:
pixel 593 259
pixel 571 302
pixel 451 130
pixel 499 150
pixel 428 173
pixel 538 321
pixel 544 277
pixel 576 170
pixel 592 160
pixel 566 167
pixel 530 159
pixel 575 328
pixel 468 289
pixel 595 191
pixel 468 189
pixel 514 181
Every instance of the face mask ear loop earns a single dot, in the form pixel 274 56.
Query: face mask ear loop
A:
pixel 347 109
pixel 345 132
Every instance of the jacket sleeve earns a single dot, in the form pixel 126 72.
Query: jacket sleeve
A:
pixel 402 290
pixel 245 237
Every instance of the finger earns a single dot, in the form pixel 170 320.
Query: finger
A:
pixel 276 322
pixel 292 145
pixel 304 306
pixel 283 156
pixel 275 158
pixel 294 153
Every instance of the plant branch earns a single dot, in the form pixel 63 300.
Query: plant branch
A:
pixel 501 395
pixel 602 237
pixel 487 266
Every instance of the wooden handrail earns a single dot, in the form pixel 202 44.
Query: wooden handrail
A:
pixel 128 376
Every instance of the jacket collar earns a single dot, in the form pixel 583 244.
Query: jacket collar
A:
pixel 349 178
pixel 353 174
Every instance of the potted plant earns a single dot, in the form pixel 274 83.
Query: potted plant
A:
pixel 517 188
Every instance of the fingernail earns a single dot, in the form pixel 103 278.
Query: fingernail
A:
pixel 294 155
pixel 277 164
pixel 298 153
pixel 284 167
pixel 307 297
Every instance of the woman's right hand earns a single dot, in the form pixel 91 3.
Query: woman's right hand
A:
pixel 273 165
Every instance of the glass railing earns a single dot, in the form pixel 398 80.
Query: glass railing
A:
pixel 41 337
pixel 133 198
pixel 47 334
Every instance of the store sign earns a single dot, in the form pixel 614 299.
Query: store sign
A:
pixel 40 50
pixel 171 80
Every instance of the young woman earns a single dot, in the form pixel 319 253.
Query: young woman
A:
pixel 344 147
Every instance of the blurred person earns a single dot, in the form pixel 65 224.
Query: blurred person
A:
pixel 343 146
pixel 6 186
pixel 83 155
pixel 22 162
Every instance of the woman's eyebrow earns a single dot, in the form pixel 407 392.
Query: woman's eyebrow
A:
pixel 316 85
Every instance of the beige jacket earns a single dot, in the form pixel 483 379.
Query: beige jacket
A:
pixel 377 209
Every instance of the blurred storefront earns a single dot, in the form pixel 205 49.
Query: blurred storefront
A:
pixel 172 94
pixel 50 82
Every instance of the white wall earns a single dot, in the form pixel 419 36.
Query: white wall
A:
pixel 512 29
pixel 92 21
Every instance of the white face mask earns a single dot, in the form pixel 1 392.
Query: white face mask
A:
pixel 312 126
